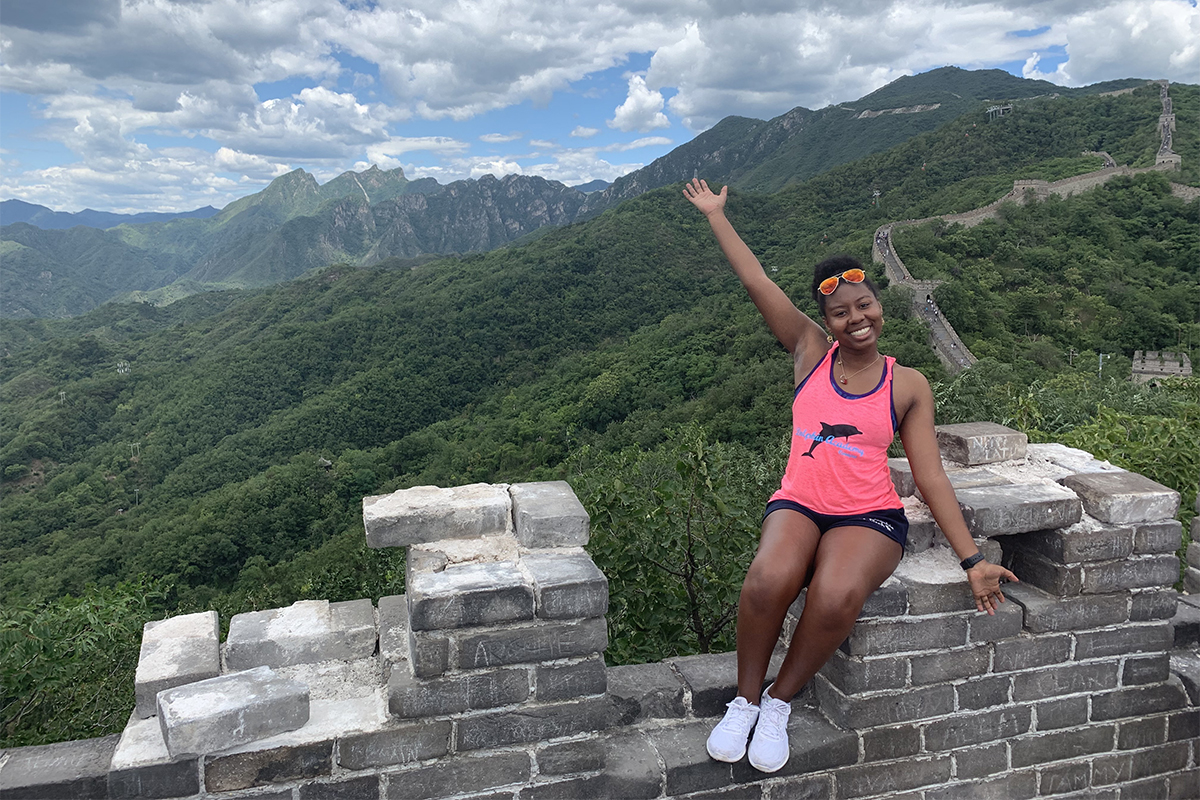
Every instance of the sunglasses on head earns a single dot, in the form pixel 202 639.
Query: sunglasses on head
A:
pixel 827 286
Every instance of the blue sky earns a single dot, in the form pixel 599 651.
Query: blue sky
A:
pixel 167 105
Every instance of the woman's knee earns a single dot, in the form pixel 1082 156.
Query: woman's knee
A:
pixel 833 607
pixel 768 587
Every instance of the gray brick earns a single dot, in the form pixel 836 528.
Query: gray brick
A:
pixel 306 632
pixel 1036 570
pixel 1073 776
pixel 430 514
pixel 262 767
pixel 964 730
pixel 175 651
pixel 1184 785
pixel 468 595
pixel 365 787
pixel 885 744
pixel 630 767
pixel 1147 638
pixel 950 664
pixel 880 636
pixel 973 443
pixel 1013 786
pixel 429 653
pixel 1077 543
pixel 970 478
pixel 219 713
pixel 532 644
pixel 885 779
pixel 1045 613
pixel 1186 666
pixel 934 582
pixel 687 765
pixel 1141 764
pixel 568 681
pixel 412 698
pixel 1158 537
pixel 1182 725
pixel 1063 680
pixel 531 724
pixel 548 514
pixel 1123 497
pixel 1004 510
pixel 1185 623
pixel 902 477
pixel 393 632
pixel 889 600
pixel 585 755
pixel 1138 701
pixel 1149 669
pixel 1152 604
pixel 401 744
pixel 1005 623
pixel 746 791
pixel 172 779
pixel 1065 713
pixel 567 586
pixel 68 769
pixel 855 674
pixel 1139 733
pixel 465 773
pixel 979 762
pixel 1137 572
pixel 1191 580
pixel 1061 745
pixel 1025 652
pixel 803 787
pixel 883 708
pixel 645 691
pixel 984 692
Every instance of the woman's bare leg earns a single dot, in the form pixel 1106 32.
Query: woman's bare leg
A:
pixel 850 564
pixel 780 568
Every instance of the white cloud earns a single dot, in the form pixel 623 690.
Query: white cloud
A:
pixel 580 132
pixel 642 109
pixel 499 138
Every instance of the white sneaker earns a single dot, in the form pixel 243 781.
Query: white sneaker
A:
pixel 727 742
pixel 769 749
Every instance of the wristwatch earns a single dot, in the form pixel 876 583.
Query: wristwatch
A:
pixel 971 561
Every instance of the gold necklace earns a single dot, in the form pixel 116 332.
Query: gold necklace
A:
pixel 844 379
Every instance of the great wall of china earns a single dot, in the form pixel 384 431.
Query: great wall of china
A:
pixel 950 349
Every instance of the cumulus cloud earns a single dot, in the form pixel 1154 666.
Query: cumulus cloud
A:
pixel 642 109
pixel 262 85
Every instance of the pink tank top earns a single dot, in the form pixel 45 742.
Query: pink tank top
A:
pixel 838 461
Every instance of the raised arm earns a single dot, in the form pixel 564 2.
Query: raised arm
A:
pixel 920 445
pixel 794 330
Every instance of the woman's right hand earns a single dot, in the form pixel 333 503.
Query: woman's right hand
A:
pixel 703 198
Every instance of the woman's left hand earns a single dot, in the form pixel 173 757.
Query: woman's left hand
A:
pixel 985 580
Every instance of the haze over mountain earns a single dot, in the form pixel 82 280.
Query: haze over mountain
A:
pixel 296 224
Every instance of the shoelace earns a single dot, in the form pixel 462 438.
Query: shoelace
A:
pixel 772 719
pixel 741 722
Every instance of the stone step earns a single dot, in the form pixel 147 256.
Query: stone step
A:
pixel 548 514
pixel 1123 497
pixel 431 513
pixel 1018 508
pixel 974 443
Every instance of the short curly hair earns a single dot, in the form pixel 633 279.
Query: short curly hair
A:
pixel 836 265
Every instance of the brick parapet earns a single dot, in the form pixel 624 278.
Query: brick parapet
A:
pixel 1064 692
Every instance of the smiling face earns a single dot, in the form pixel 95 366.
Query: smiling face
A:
pixel 854 316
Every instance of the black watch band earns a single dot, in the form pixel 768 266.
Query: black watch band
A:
pixel 971 561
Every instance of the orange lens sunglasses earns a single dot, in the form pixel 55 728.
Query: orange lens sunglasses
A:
pixel 828 285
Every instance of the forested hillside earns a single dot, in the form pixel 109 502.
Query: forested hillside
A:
pixel 213 453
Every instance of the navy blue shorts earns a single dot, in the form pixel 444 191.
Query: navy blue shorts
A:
pixel 891 522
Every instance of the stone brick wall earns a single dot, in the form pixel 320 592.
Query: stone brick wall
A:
pixel 487 680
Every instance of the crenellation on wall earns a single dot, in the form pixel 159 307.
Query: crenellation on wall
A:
pixel 1085 683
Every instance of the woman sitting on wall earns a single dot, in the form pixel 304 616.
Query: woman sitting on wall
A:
pixel 836 525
